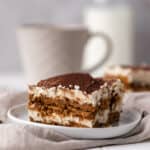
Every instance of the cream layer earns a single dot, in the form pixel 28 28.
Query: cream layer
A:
pixel 103 118
pixel 105 92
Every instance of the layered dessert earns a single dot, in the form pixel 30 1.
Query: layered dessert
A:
pixel 76 100
pixel 135 78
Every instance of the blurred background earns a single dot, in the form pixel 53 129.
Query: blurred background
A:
pixel 16 12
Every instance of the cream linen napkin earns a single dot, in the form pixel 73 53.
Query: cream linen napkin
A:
pixel 23 137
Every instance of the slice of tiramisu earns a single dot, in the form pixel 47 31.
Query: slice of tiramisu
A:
pixel 135 78
pixel 76 100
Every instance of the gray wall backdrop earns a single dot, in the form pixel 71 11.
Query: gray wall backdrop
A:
pixel 15 12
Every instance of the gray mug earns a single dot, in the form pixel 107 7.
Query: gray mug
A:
pixel 49 50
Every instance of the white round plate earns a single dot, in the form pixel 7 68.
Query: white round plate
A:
pixel 128 121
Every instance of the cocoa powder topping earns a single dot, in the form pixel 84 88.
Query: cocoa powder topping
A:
pixel 84 82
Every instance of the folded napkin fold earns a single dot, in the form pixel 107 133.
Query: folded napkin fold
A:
pixel 25 137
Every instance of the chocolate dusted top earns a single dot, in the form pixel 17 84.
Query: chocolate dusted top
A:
pixel 85 82
pixel 136 67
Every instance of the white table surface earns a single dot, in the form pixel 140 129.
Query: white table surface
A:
pixel 18 82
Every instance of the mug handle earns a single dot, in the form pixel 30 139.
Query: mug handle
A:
pixel 109 49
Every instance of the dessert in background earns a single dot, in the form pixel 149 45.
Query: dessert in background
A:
pixel 135 78
pixel 76 100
